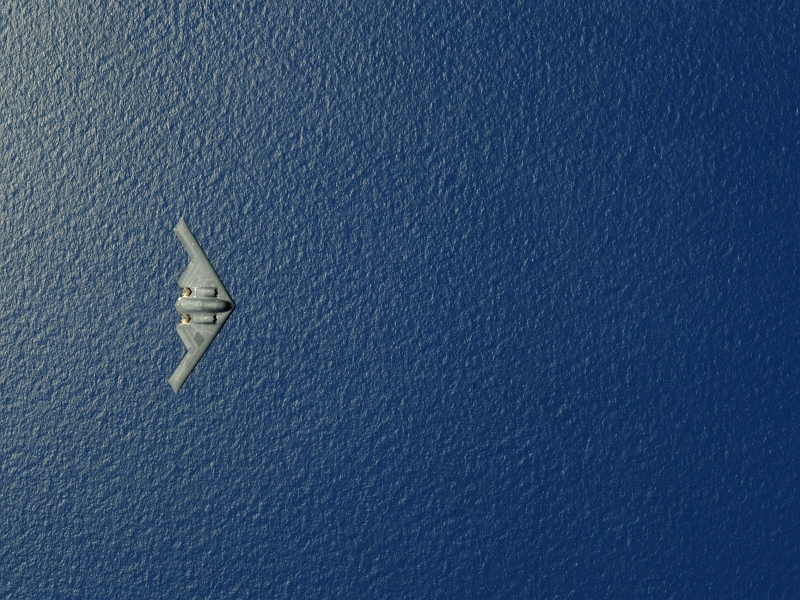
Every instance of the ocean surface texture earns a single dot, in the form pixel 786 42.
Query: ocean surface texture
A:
pixel 517 289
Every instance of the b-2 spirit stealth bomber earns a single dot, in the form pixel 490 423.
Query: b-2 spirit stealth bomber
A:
pixel 204 306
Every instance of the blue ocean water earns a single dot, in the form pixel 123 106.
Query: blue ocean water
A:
pixel 517 296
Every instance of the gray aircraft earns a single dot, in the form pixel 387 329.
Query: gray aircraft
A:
pixel 204 306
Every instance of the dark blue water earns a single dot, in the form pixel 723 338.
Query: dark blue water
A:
pixel 517 295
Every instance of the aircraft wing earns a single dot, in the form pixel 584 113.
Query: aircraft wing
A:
pixel 197 337
pixel 199 273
